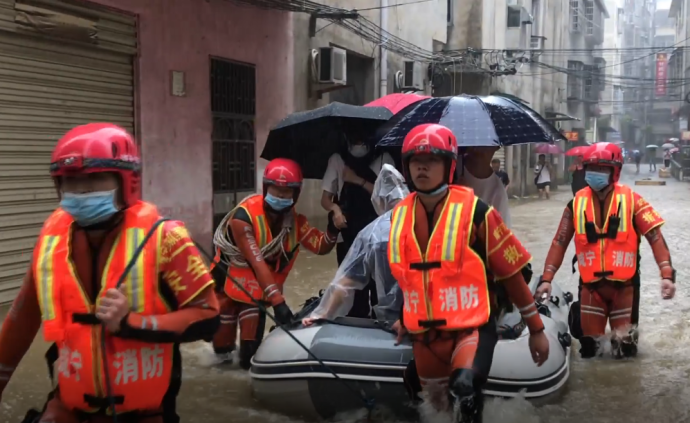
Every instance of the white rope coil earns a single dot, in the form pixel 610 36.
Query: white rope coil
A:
pixel 232 256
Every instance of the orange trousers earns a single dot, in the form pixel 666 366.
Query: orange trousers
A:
pixel 233 314
pixel 606 302
pixel 56 412
pixel 438 354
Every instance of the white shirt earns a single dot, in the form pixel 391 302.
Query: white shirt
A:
pixel 333 182
pixel 489 190
pixel 333 178
pixel 544 176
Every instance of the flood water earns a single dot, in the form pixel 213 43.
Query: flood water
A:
pixel 652 387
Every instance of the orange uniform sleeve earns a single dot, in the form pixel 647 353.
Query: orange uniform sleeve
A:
pixel 648 223
pixel 645 217
pixel 559 245
pixel 185 273
pixel 313 239
pixel 245 240
pixel 19 329
pixel 506 257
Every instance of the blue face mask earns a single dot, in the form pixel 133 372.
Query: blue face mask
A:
pixel 597 180
pixel 276 203
pixel 91 208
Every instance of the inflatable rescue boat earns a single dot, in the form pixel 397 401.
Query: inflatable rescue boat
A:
pixel 362 352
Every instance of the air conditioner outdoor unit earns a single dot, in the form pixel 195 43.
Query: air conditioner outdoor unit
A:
pixel 413 75
pixel 332 66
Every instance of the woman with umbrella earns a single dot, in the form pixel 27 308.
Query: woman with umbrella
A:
pixel 347 187
pixel 576 170
pixel 543 168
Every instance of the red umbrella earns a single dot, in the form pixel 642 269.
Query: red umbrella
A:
pixel 396 102
pixel 577 151
pixel 544 148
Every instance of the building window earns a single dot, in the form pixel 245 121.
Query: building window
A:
pixel 588 82
pixel 575 15
pixel 233 110
pixel 513 17
pixel 589 16
pixel 575 82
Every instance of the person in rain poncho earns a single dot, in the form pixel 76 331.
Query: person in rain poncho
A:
pixel 368 258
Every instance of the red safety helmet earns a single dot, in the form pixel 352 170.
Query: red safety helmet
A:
pixel 99 147
pixel 605 154
pixel 430 138
pixel 283 173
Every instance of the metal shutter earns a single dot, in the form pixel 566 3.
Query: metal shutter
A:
pixel 48 85
pixel 501 155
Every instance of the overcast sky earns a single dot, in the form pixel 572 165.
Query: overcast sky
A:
pixel 663 4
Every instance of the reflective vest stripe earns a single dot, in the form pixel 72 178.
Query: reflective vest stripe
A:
pixel 45 276
pixel 580 216
pixel 398 222
pixel 623 207
pixel 262 230
pixel 451 229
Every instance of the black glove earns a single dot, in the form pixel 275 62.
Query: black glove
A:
pixel 330 228
pixel 283 314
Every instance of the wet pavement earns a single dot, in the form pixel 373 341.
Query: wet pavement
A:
pixel 652 387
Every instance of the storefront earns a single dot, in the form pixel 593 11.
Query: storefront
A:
pixel 61 65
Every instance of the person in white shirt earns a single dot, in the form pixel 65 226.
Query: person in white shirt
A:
pixel 543 177
pixel 347 186
pixel 477 173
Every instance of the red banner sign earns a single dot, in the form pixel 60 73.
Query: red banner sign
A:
pixel 571 136
pixel 661 69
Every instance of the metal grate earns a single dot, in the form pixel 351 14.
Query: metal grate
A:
pixel 233 105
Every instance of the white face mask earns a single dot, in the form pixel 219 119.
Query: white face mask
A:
pixel 359 150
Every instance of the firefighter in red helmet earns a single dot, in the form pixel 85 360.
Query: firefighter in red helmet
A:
pixel 259 242
pixel 115 332
pixel 445 234
pixel 608 221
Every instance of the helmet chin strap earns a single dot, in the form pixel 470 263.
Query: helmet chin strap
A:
pixel 440 189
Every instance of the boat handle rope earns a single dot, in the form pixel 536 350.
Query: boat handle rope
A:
pixel 369 403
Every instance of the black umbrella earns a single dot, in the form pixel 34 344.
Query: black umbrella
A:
pixel 311 137
pixel 475 121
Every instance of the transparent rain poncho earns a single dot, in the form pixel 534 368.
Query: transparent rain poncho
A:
pixel 368 258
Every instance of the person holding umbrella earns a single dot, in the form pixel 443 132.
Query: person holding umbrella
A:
pixel 347 187
pixel 576 169
pixel 651 157
pixel 543 177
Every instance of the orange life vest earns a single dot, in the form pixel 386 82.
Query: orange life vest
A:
pixel 447 287
pixel 254 206
pixel 139 372
pixel 600 254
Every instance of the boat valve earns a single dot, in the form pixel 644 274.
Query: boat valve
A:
pixel 568 297
pixel 565 340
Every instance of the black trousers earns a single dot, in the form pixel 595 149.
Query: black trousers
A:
pixel 366 298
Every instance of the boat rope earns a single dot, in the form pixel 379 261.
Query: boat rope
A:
pixel 232 256
pixel 369 402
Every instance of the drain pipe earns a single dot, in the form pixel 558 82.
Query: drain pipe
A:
pixel 383 53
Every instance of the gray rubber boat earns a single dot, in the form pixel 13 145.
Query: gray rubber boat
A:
pixel 362 352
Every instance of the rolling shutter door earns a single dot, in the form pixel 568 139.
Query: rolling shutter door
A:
pixel 51 81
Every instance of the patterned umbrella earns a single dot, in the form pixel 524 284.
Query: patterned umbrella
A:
pixel 396 102
pixel 476 121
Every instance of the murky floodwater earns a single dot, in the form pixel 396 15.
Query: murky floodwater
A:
pixel 653 387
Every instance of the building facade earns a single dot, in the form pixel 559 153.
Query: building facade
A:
pixel 198 96
pixel 371 71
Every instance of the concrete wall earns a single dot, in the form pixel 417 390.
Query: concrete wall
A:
pixel 175 132
pixel 419 24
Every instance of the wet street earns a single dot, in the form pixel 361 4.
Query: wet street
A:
pixel 653 387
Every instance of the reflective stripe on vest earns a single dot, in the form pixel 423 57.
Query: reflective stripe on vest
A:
pixel 139 372
pixel 446 287
pixel 612 259
pixel 254 206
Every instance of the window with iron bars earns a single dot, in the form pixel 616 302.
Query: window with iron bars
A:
pixel 589 17
pixel 575 82
pixel 575 23
pixel 233 107
pixel 588 82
